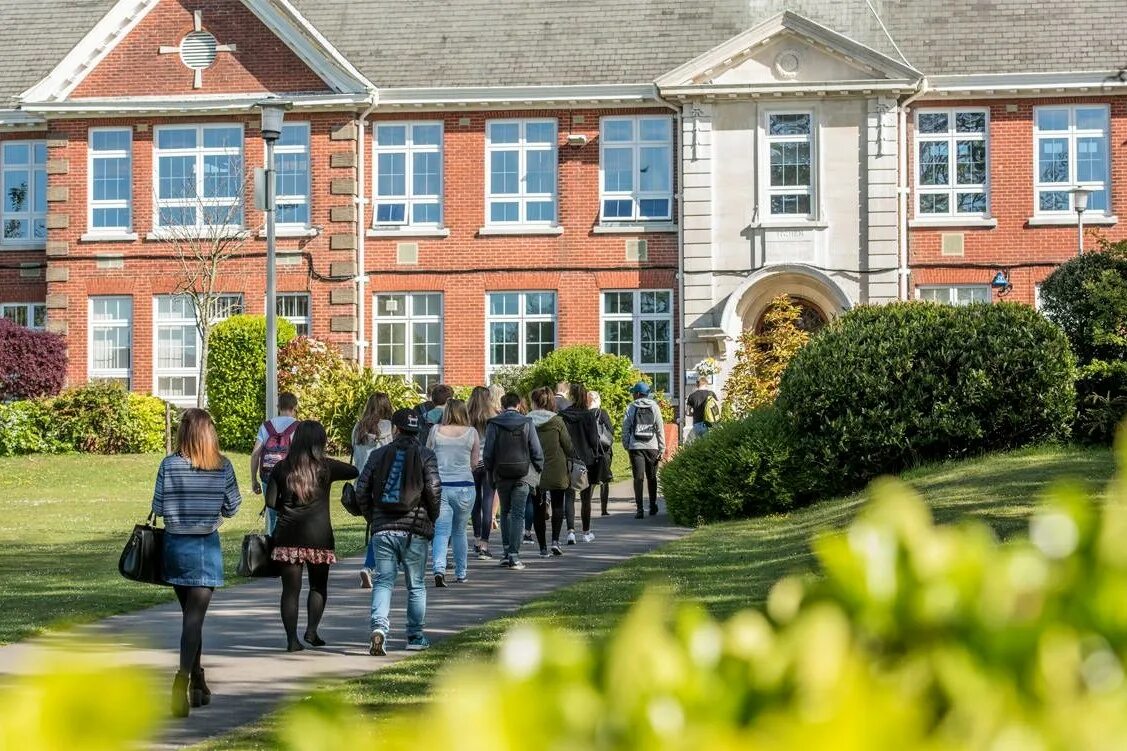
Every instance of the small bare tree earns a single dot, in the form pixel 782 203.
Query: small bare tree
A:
pixel 204 229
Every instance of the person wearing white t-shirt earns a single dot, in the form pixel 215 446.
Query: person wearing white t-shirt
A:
pixel 287 408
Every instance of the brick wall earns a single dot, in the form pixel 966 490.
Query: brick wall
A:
pixel 1029 253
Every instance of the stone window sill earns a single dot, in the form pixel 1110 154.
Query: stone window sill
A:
pixel 284 232
pixel 108 237
pixel 23 246
pixel 519 230
pixel 954 222
pixel 1100 220
pixel 633 228
pixel 790 226
pixel 408 232
pixel 199 233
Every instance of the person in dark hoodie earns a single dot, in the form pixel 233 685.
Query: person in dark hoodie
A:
pixel 555 441
pixel 514 457
pixel 583 425
pixel 400 494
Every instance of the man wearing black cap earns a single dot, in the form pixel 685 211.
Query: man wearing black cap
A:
pixel 400 493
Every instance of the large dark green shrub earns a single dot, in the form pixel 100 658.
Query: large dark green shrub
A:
pixel 104 418
pixel 1101 401
pixel 611 375
pixel 887 387
pixel 740 468
pixel 1087 297
pixel 236 377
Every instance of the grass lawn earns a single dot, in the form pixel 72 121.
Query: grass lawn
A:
pixel 63 522
pixel 726 567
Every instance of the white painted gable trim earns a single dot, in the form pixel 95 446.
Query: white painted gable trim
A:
pixel 721 57
pixel 281 18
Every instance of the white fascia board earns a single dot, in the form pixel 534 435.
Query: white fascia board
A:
pixel 98 42
pixel 519 95
pixel 720 56
pixel 1004 83
pixel 181 105
pixel 806 88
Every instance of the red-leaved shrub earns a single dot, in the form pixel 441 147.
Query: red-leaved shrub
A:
pixel 32 363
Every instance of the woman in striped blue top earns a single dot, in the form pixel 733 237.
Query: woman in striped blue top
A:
pixel 195 490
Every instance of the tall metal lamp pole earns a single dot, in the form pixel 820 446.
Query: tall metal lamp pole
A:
pixel 273 113
pixel 1080 203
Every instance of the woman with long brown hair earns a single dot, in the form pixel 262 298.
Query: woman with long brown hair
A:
pixel 299 492
pixel 481 407
pixel 195 490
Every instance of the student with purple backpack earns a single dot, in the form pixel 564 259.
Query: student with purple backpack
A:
pixel 270 447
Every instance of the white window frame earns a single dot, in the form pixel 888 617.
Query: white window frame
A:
pixel 305 320
pixel 409 370
pixel 522 319
pixel 409 148
pixel 114 374
pixel 36 173
pixel 198 202
pixel 522 197
pixel 952 188
pixel 29 309
pixel 952 292
pixel 766 190
pixel 1072 135
pixel 300 199
pixel 636 195
pixel 636 317
pixel 225 303
pixel 127 203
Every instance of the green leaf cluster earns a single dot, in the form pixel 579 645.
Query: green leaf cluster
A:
pixel 612 376
pixel 761 358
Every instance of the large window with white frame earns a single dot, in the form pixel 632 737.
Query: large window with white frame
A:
pixel 790 161
pixel 636 164
pixel 408 336
pixel 111 180
pixel 951 163
pixel 960 294
pixel 1071 144
pixel 520 326
pixel 291 177
pixel 407 174
pixel 177 344
pixel 199 176
pixel 111 339
pixel 520 172
pixel 27 314
pixel 294 307
pixel 639 324
pixel 23 212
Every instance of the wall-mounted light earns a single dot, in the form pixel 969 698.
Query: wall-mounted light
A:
pixel 577 139
pixel 1001 283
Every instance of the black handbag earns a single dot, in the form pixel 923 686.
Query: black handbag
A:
pixel 143 553
pixel 255 559
pixel 349 500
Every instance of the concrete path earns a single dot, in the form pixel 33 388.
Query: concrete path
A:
pixel 249 670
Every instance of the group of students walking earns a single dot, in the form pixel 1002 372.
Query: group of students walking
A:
pixel 422 476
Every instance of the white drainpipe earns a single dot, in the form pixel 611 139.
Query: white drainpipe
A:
pixel 678 176
pixel 902 270
pixel 361 279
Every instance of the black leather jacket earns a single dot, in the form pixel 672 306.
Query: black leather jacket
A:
pixel 425 486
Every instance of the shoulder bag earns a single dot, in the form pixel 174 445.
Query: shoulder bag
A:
pixel 143 553
pixel 255 559
pixel 577 472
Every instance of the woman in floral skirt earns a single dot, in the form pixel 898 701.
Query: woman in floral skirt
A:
pixel 299 492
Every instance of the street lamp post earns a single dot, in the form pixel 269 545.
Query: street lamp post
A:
pixel 1080 203
pixel 273 113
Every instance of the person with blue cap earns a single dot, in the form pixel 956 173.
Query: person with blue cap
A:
pixel 643 437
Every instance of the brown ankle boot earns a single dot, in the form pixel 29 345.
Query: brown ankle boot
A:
pixel 179 703
pixel 199 695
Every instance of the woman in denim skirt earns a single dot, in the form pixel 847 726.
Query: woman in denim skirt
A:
pixel 195 490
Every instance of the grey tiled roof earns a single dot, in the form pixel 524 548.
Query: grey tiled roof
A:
pixel 512 42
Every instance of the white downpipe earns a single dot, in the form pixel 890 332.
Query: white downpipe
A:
pixel 361 279
pixel 902 270
pixel 679 181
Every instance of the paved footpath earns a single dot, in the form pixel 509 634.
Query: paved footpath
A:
pixel 249 670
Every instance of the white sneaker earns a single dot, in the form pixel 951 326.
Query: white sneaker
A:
pixel 588 537
pixel 570 538
pixel 365 578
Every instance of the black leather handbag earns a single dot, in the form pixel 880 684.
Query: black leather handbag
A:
pixel 255 559
pixel 141 558
pixel 349 500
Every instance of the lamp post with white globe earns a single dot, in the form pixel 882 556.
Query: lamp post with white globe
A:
pixel 1080 204
pixel 273 113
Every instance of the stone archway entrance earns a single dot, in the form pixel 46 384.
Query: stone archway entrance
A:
pixel 811 318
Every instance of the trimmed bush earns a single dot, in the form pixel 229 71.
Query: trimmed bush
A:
pixel 32 363
pixel 884 388
pixel 349 395
pixel 1087 297
pixel 1101 401
pixel 104 418
pixel 611 375
pixel 28 427
pixel 236 377
pixel 762 358
pixel 739 468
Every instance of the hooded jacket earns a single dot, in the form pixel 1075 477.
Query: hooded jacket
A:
pixel 583 426
pixel 425 485
pixel 629 441
pixel 555 440
pixel 510 418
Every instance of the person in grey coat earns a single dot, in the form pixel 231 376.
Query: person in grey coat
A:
pixel 504 458
pixel 643 437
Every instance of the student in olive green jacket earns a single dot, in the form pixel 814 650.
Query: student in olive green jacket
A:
pixel 555 479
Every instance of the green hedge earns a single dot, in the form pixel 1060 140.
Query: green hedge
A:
pixel 236 377
pixel 27 428
pixel 1101 401
pixel 1087 297
pixel 611 375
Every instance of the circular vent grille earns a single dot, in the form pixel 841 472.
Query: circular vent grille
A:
pixel 197 50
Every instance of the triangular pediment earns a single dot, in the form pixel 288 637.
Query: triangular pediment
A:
pixel 195 49
pixel 788 49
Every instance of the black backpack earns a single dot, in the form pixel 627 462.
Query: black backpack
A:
pixel 645 424
pixel 511 459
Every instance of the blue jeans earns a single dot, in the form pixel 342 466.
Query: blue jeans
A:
pixel 271 520
pixel 451 523
pixel 514 496
pixel 699 429
pixel 393 554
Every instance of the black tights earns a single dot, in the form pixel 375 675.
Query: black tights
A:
pixel 643 465
pixel 604 495
pixel 557 500
pixel 193 604
pixel 584 508
pixel 315 603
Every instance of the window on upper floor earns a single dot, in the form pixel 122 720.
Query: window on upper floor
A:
pixel 951 164
pixel 291 176
pixel 294 307
pixel 199 176
pixel 963 294
pixel 111 339
pixel 23 212
pixel 520 172
pixel 29 315
pixel 408 336
pixel 636 164
pixel 1071 150
pixel 521 328
pixel 790 164
pixel 639 324
pixel 111 180
pixel 408 174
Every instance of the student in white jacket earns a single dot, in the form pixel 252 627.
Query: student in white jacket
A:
pixel 643 437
